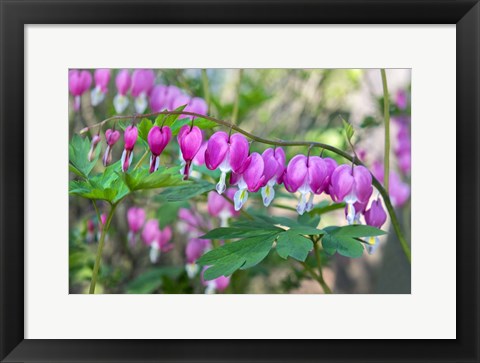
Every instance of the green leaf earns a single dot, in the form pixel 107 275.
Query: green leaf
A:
pixel 307 219
pixel 151 280
pixel 357 230
pixel 295 226
pixel 177 125
pixel 309 231
pixel 325 208
pixel 107 186
pixel 231 232
pixel 142 179
pixel 181 193
pixel 168 120
pixel 291 244
pixel 244 254
pixel 345 246
pixel 144 128
pixel 204 124
pixel 78 156
pixel 349 131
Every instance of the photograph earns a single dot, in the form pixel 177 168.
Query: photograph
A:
pixel 239 181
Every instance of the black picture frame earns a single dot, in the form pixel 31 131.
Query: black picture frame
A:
pixel 16 14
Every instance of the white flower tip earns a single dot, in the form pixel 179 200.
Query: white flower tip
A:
pixel 192 269
pixel 154 253
pixel 220 187
pixel 211 288
pixel 268 193
pixel 120 102
pixel 141 103
pixel 239 199
pixel 97 96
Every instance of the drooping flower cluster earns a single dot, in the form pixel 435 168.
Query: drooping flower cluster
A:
pixel 194 225
pixel 78 83
pixel 139 84
pixel 136 220
pixel 157 239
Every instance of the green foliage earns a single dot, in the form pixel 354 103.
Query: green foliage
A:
pixel 348 128
pixel 141 179
pixel 228 258
pixel 256 240
pixel 144 128
pixel 151 280
pixel 292 244
pixel 107 186
pixel 168 120
pixel 344 240
pixel 185 192
pixel 78 156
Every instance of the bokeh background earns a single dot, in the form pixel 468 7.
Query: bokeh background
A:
pixel 284 104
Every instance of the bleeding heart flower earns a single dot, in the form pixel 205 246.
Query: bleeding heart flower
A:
pixel 78 83
pixel 331 166
pixel 250 179
pixel 190 140
pixel 306 175
pixel 274 166
pixel 136 219
pixel 102 77
pixel 219 207
pixel 216 285
pixel 162 98
pixel 157 239
pixel 123 82
pixel 401 99
pixel 142 83
pixel 158 138
pixel 399 191
pixel 351 184
pixel 199 158
pixel 195 249
pixel 95 140
pixel 375 217
pixel 228 153
pixel 195 105
pixel 359 210
pixel 112 136
pixel 130 137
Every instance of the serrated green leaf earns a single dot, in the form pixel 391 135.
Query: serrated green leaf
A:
pixel 345 246
pixel 181 193
pixel 78 156
pixel 291 244
pixel 106 186
pixel 244 254
pixel 308 220
pixel 141 178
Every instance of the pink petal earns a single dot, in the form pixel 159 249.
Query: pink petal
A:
pixel 217 149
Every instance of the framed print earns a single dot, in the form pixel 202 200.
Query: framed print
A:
pixel 270 181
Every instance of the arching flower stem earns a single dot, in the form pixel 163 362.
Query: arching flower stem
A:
pixel 357 161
